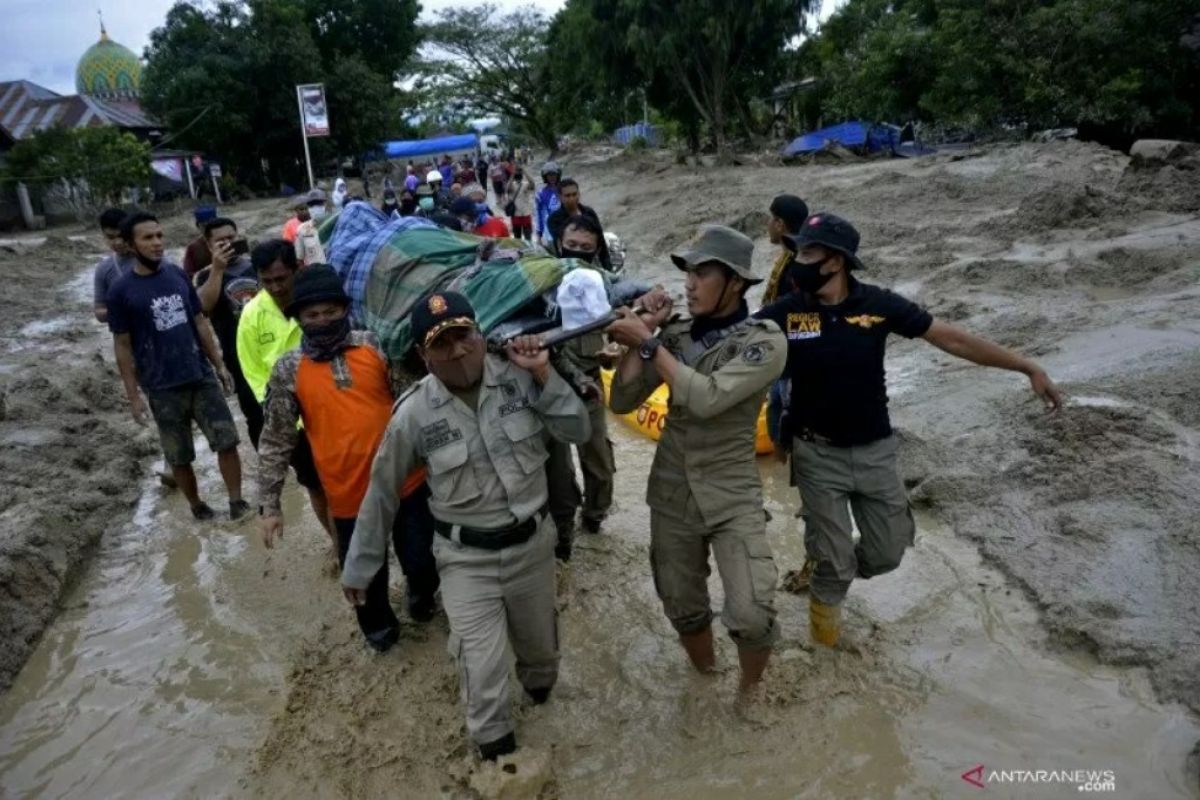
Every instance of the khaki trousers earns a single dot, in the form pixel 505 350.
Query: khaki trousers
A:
pixel 679 549
pixel 494 598
pixel 836 482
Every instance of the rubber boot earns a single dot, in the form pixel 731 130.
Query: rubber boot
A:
pixel 754 664
pixel 824 622
pixel 699 647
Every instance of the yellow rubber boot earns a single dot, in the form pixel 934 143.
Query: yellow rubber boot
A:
pixel 824 622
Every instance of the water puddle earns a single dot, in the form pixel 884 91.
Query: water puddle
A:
pixel 160 677
pixel 146 685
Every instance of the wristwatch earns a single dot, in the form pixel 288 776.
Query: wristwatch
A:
pixel 648 347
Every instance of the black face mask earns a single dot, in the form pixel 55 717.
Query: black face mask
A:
pixel 581 255
pixel 808 277
pixel 323 342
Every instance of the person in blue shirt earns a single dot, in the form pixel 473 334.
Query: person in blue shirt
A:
pixel 545 203
pixel 164 344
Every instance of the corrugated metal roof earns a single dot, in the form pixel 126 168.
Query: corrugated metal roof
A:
pixel 26 108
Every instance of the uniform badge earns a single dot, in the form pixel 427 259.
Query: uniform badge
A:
pixel 437 305
pixel 731 350
pixel 756 353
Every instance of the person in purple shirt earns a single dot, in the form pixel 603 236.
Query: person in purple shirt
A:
pixel 164 344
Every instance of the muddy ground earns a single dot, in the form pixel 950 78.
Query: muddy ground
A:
pixel 1059 250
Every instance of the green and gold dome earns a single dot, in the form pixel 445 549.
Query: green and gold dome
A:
pixel 108 69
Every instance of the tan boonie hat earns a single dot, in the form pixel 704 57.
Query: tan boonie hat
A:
pixel 722 244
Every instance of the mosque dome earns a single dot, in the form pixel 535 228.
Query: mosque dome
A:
pixel 108 69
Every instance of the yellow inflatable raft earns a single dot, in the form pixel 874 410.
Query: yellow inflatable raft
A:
pixel 650 418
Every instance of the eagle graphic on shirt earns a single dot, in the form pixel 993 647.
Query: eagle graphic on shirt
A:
pixel 866 321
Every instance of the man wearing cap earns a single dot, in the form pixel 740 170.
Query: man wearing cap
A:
pixel 704 490
pixel 844 453
pixel 339 384
pixel 788 213
pixel 477 423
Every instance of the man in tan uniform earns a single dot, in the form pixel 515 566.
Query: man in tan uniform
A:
pixel 704 490
pixel 478 424
pixel 581 238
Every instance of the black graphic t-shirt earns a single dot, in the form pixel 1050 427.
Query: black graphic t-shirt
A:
pixel 835 359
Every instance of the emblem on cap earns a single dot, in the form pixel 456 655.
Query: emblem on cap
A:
pixel 437 304
pixel 815 221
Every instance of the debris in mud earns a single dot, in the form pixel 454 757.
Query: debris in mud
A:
pixel 527 773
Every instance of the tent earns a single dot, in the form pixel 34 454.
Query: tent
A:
pixel 413 148
pixel 857 136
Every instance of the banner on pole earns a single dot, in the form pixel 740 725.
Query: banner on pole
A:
pixel 313 109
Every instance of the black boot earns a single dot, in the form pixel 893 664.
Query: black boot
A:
pixel 501 747
pixel 539 696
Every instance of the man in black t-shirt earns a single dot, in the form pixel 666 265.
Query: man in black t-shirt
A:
pixel 224 287
pixel 844 454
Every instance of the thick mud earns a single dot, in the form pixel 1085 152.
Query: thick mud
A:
pixel 1046 618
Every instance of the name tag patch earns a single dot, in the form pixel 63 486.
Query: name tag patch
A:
pixel 439 434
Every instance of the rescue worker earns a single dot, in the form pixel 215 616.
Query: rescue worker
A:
pixel 339 384
pixel 477 423
pixel 704 490
pixel 581 240
pixel 844 453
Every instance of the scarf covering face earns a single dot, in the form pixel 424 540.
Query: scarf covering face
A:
pixel 324 342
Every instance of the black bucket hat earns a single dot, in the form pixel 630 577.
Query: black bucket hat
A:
pixel 831 231
pixel 316 283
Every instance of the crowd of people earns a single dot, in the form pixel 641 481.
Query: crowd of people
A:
pixel 460 461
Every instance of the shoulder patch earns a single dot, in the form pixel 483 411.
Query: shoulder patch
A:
pixel 757 352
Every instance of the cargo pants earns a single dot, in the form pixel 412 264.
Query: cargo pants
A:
pixel 836 482
pixel 679 550
pixel 599 466
pixel 494 598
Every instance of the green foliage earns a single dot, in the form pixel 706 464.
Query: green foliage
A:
pixel 1117 68
pixel 97 163
pixel 495 63
pixel 700 62
pixel 223 78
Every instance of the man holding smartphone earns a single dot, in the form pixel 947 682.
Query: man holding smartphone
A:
pixel 224 288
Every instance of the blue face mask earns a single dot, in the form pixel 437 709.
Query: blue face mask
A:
pixel 426 203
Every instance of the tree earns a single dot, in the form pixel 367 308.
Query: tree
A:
pixel 714 52
pixel 382 34
pixel 94 165
pixel 496 64
pixel 223 79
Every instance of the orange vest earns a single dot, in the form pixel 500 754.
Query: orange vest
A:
pixel 346 425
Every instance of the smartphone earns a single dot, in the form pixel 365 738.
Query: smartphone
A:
pixel 241 247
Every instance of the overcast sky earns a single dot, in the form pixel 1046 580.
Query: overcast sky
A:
pixel 42 41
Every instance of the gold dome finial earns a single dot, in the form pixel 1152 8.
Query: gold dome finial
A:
pixel 103 32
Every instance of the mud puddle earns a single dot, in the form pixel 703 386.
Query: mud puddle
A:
pixel 157 679
pixel 154 679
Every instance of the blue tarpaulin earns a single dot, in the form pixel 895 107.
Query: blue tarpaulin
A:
pixel 429 147
pixel 851 135
pixel 624 136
